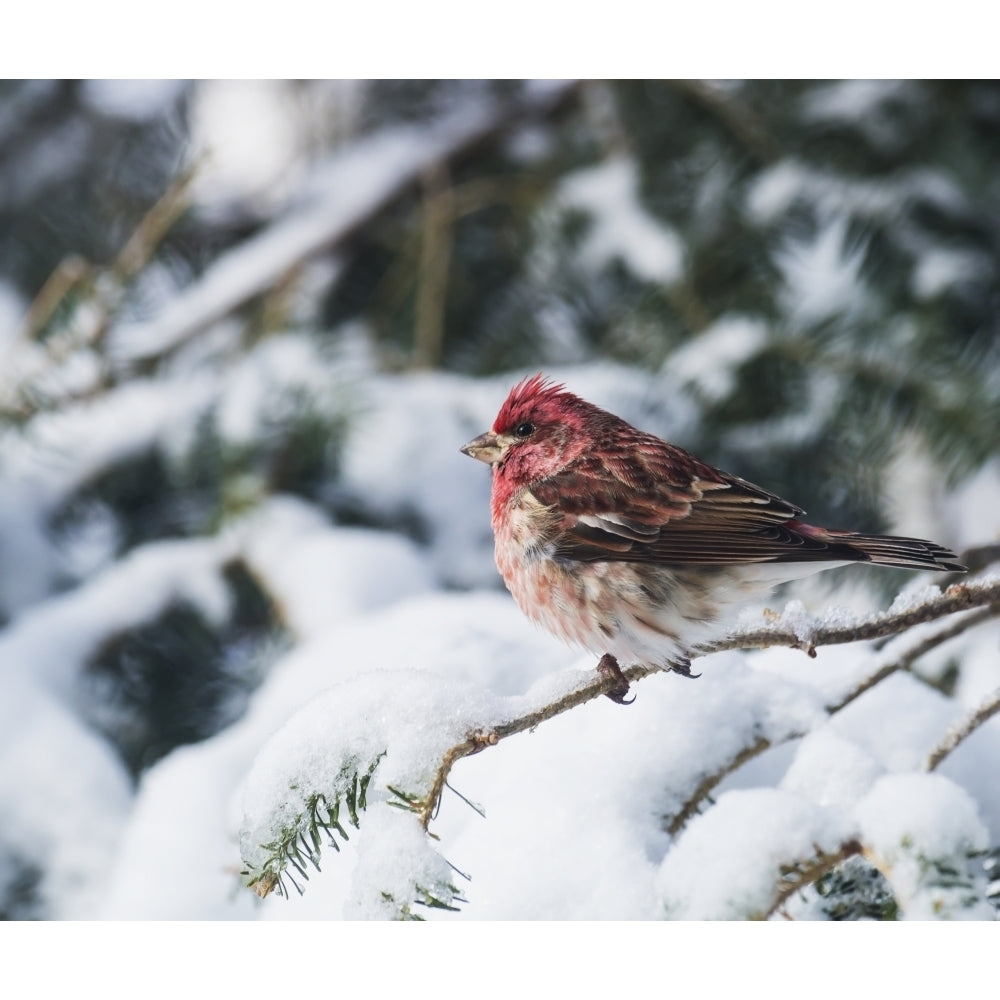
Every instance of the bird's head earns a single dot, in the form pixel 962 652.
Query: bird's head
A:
pixel 535 434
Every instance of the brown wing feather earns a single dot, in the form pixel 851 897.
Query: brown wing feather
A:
pixel 649 501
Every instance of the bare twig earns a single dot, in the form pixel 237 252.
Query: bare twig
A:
pixel 70 273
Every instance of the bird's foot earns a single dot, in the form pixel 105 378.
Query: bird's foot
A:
pixel 608 667
pixel 682 665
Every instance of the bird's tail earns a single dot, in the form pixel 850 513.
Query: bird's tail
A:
pixel 889 550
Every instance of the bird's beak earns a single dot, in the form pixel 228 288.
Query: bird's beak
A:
pixel 486 448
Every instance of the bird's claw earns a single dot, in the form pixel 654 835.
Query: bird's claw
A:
pixel 682 666
pixel 608 668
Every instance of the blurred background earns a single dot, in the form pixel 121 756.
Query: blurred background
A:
pixel 215 294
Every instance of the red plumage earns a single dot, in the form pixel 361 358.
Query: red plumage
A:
pixel 622 543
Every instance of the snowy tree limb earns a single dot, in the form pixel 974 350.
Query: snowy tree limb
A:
pixel 909 656
pixel 370 177
pixel 23 389
pixel 958 597
pixel 675 823
pixel 269 861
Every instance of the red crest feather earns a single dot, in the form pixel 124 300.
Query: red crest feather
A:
pixel 525 397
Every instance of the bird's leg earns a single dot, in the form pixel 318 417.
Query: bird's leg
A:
pixel 682 665
pixel 608 667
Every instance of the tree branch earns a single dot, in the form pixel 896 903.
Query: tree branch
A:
pixel 674 824
pixel 963 729
pixel 679 820
pixel 435 262
pixel 102 292
pixel 364 182
pixel 802 874
pixel 907 658
pixel 958 597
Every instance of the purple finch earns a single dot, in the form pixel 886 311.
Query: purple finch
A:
pixel 632 548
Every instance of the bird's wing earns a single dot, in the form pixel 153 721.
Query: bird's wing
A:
pixel 651 502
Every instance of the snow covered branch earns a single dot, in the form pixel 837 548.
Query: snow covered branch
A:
pixel 356 186
pixel 956 598
pixel 39 373
pixel 924 644
pixel 807 635
pixel 407 765
pixel 925 641
pixel 789 843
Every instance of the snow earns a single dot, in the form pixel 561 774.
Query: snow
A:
pixel 728 864
pixel 711 360
pixel 937 270
pixel 922 828
pixel 975 510
pixel 12 313
pixel 64 796
pixel 853 100
pixel 822 277
pixel 398 724
pixel 67 446
pixel 320 576
pixel 49 641
pixel 621 227
pixel 23 543
pixel 237 163
pixel 832 771
pixel 780 186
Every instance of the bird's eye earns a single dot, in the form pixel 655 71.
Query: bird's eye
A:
pixel 524 430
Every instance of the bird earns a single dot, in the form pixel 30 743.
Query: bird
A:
pixel 633 549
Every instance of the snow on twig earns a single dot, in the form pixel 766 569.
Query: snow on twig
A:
pixel 935 605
